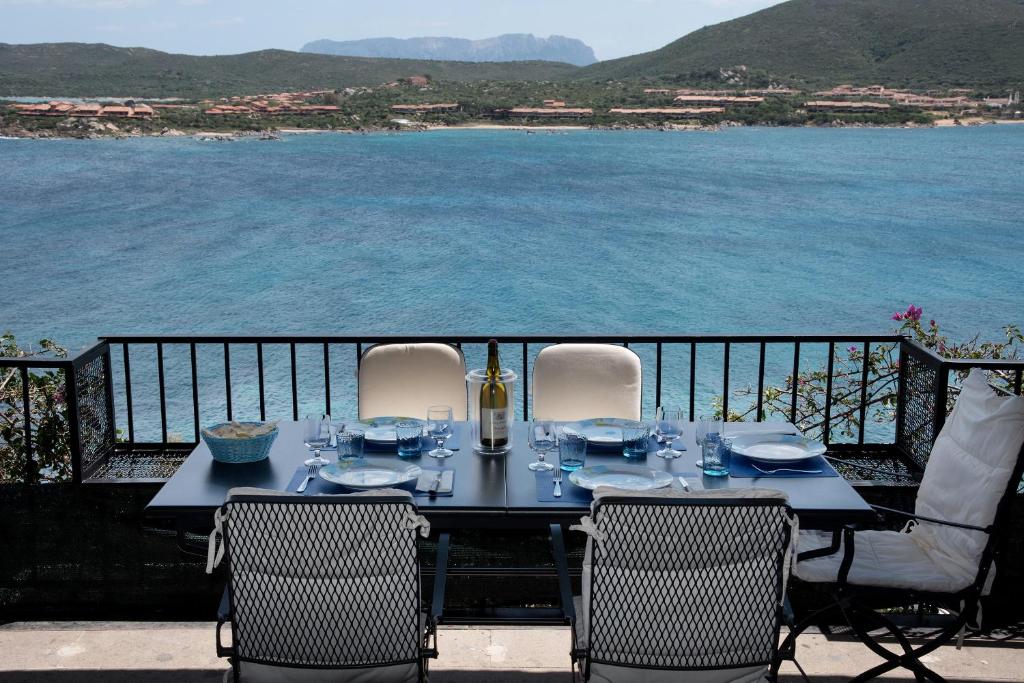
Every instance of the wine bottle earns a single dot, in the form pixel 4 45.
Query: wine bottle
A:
pixel 493 403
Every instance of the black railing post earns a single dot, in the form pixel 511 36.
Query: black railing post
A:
pixel 327 379
pixel 901 394
pixel 725 384
pixel 74 427
pixel 760 384
pixel 864 392
pixel 227 381
pixel 826 430
pixel 693 377
pixel 128 391
pixel 796 374
pixel 195 390
pixel 163 392
pixel 657 376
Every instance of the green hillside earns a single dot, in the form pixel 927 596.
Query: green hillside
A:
pixel 893 42
pixel 80 69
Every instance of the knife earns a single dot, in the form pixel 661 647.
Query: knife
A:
pixel 435 485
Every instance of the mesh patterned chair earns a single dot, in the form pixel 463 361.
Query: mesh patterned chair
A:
pixel 406 379
pixel 325 588
pixel 582 381
pixel 945 554
pixel 680 587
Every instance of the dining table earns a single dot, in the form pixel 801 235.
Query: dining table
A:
pixel 498 491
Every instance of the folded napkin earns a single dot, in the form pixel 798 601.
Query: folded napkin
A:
pixel 428 478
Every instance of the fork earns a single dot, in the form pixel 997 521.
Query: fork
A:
pixel 311 472
pixel 557 477
pixel 784 469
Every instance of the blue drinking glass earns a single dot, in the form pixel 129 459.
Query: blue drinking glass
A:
pixel 572 451
pixel 717 456
pixel 635 438
pixel 408 435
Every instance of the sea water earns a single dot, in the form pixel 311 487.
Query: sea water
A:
pixel 745 231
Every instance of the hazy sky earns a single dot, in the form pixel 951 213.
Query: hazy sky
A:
pixel 614 28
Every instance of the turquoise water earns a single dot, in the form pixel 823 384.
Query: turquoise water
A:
pixel 744 231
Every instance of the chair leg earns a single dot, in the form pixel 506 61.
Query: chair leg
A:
pixel 787 649
pixel 911 657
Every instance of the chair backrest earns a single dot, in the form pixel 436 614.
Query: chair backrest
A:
pixel 582 381
pixel 406 379
pixel 970 471
pixel 323 581
pixel 694 582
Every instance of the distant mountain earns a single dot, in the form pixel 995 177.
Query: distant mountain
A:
pixel 893 42
pixel 84 69
pixel 511 47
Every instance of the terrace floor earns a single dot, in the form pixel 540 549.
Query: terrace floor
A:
pixel 73 652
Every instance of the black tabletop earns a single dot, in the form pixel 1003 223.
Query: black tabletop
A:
pixel 201 484
pixel 489 487
pixel 819 501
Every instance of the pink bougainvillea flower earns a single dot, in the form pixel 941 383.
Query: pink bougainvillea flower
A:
pixel 914 312
pixel 897 316
pixel 852 349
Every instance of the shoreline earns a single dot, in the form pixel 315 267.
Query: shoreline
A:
pixel 276 133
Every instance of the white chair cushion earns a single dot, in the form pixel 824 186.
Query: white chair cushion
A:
pixel 406 379
pixel 583 381
pixel 968 473
pixel 888 559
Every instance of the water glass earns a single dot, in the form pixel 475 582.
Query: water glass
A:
pixel 669 422
pixel 717 456
pixel 440 429
pixel 316 431
pixel 408 434
pixel 542 439
pixel 709 427
pixel 350 444
pixel 572 451
pixel 635 437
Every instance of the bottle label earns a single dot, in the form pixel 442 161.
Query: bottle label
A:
pixel 494 425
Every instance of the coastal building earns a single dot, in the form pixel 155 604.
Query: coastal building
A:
pixel 846 107
pixel 116 111
pixel 719 100
pixel 438 108
pixel 669 112
pixel 554 103
pixel 549 112
pixel 657 91
pixel 86 110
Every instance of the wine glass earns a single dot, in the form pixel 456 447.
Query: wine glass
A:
pixel 542 440
pixel 669 423
pixel 439 428
pixel 316 433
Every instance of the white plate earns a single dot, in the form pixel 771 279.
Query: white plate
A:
pixel 602 431
pixel 382 429
pixel 359 474
pixel 777 448
pixel 628 477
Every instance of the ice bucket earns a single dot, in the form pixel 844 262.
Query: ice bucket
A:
pixel 476 382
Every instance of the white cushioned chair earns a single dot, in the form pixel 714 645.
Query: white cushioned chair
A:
pixel 583 381
pixel 325 588
pixel 680 586
pixel 406 379
pixel 945 554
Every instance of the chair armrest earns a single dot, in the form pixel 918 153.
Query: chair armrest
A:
pixel 224 617
pixel 831 549
pixel 931 520
pixel 440 578
pixel 562 566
